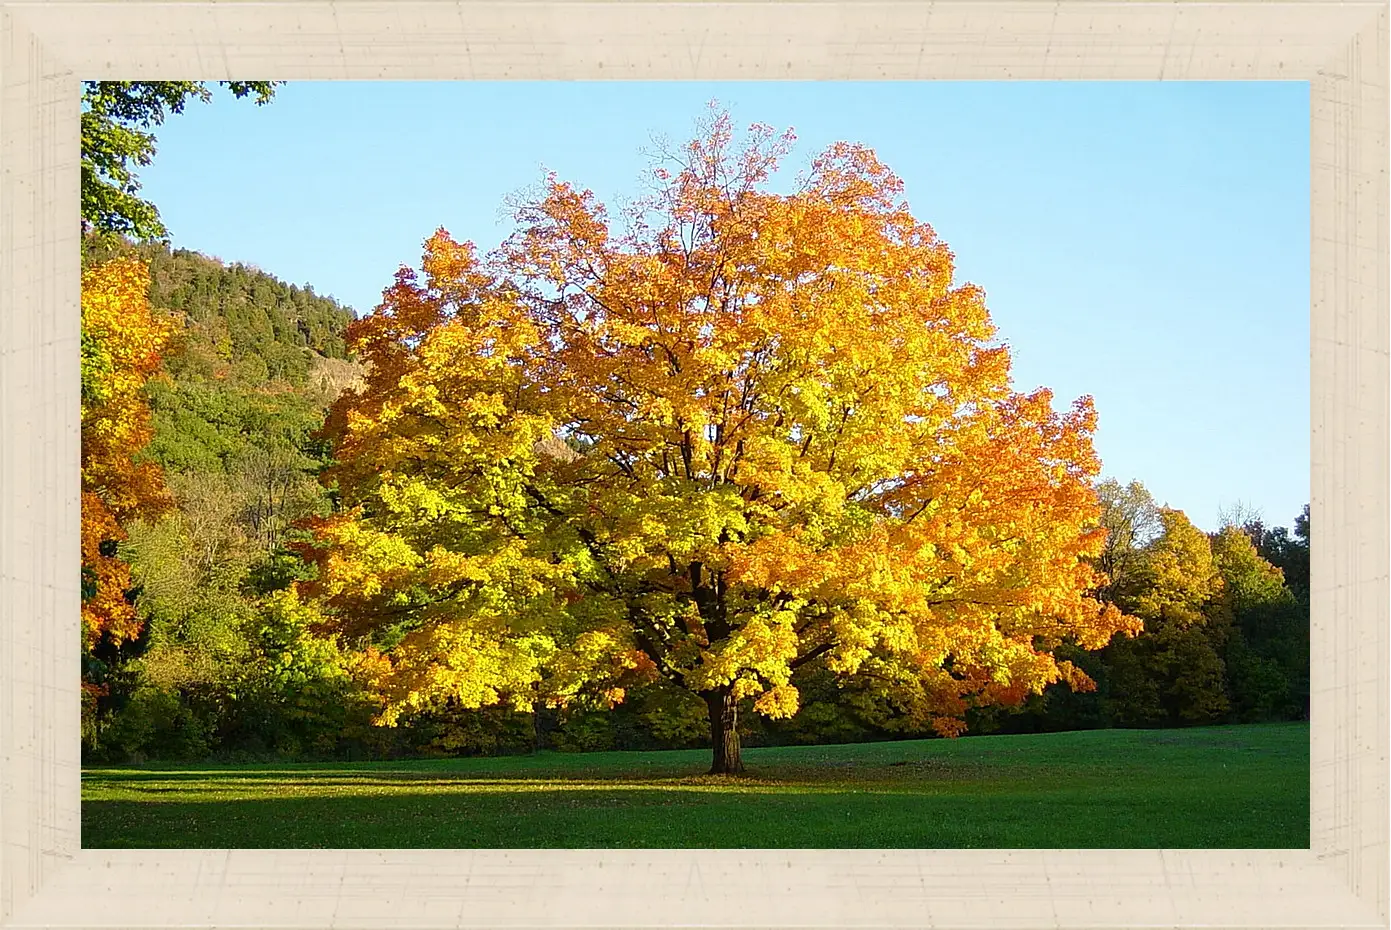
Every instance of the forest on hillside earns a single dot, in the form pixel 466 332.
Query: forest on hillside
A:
pixel 249 367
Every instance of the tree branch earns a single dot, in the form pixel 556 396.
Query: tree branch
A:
pixel 815 653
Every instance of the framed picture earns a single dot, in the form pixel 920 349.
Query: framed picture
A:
pixel 47 117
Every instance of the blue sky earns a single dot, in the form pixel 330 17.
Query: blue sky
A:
pixel 1145 243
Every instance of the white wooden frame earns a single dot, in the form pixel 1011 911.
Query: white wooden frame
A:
pixel 47 880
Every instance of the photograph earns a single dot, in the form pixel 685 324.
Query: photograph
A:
pixel 695 465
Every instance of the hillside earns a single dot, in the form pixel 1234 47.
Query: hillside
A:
pixel 248 375
pixel 254 362
pixel 236 308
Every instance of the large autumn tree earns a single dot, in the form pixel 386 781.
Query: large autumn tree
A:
pixel 737 433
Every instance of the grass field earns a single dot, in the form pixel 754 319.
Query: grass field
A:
pixel 1224 787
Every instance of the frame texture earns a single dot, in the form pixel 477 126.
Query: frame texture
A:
pixel 48 46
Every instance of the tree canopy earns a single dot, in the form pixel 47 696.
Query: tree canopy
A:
pixel 743 432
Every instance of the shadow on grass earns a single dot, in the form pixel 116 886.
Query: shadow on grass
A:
pixel 655 816
pixel 1188 790
pixel 219 785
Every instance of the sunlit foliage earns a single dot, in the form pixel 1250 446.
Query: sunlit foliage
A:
pixel 740 432
pixel 121 344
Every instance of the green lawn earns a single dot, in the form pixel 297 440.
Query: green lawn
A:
pixel 1243 786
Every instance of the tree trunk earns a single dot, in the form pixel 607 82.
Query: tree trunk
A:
pixel 724 732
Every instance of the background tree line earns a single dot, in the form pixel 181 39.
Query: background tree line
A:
pixel 226 665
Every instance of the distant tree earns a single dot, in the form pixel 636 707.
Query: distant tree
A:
pixel 117 117
pixel 1240 514
pixel 1177 576
pixel 222 669
pixel 276 488
pixel 1248 580
pixel 1173 671
pixel 1131 520
pixel 1268 653
pixel 1289 552
pixel 190 566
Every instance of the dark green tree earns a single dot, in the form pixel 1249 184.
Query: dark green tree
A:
pixel 1289 553
pixel 1267 590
